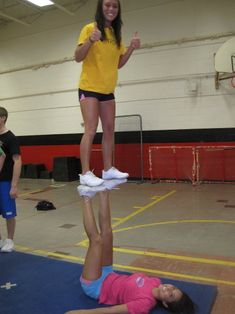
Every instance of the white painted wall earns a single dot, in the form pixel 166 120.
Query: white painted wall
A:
pixel 156 83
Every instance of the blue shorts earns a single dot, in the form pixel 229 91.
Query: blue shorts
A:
pixel 7 204
pixel 101 97
pixel 92 288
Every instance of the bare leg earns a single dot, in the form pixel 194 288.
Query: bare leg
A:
pixel 106 229
pixel 90 113
pixel 93 262
pixel 11 223
pixel 107 116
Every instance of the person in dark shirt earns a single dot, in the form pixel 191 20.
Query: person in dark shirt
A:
pixel 9 176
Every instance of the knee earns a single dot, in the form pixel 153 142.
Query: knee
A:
pixel 108 128
pixel 108 132
pixel 96 240
pixel 90 132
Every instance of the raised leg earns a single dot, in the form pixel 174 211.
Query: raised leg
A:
pixel 100 249
pixel 106 229
pixel 93 262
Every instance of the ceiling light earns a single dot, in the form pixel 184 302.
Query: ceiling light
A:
pixel 41 3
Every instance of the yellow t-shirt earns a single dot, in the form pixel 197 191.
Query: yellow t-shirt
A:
pixel 100 67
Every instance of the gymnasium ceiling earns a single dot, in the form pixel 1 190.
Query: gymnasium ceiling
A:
pixel 23 13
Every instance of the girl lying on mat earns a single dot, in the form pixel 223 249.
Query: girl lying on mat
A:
pixel 135 293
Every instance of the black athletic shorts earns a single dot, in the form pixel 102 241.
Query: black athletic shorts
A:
pixel 82 94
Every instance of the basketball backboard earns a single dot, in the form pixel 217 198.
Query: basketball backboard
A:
pixel 225 62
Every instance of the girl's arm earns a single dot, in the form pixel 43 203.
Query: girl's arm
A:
pixel 135 44
pixel 82 50
pixel 116 309
pixel 16 175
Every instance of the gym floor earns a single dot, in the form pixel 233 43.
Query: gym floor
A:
pixel 170 230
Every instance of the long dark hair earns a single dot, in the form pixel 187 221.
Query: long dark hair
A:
pixel 183 306
pixel 116 24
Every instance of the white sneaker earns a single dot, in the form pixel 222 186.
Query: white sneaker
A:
pixel 8 246
pixel 112 184
pixel 88 191
pixel 113 173
pixel 2 242
pixel 90 179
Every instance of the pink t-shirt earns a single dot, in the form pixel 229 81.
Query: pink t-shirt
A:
pixel 133 290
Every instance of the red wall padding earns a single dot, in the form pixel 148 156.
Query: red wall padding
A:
pixel 44 154
pixel 127 158
pixel 198 162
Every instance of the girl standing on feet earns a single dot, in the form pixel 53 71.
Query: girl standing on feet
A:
pixel 135 293
pixel 101 49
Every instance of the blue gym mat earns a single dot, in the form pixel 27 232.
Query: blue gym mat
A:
pixel 31 284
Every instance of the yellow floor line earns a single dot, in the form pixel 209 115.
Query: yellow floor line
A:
pixel 174 222
pixel 48 253
pixel 177 275
pixel 177 257
pixel 40 190
pixel 140 210
pixel 23 248
pixel 83 243
pixel 30 192
pixel 171 256
pixel 143 208
pixel 130 268
pixel 63 256
pixel 57 185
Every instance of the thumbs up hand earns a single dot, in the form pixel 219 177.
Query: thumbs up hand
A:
pixel 135 42
pixel 96 34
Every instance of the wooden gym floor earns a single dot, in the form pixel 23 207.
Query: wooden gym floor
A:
pixel 168 230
